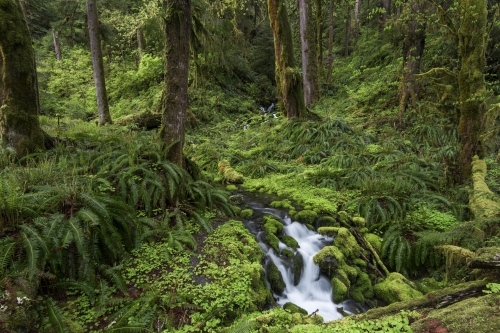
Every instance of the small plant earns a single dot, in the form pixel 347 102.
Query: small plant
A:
pixel 492 288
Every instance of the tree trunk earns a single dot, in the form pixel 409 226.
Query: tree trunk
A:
pixel 57 46
pixel 331 22
pixel 19 125
pixel 140 44
pixel 347 31
pixel 174 100
pixel 357 11
pixel 413 49
pixel 97 63
pixel 308 49
pixel 319 53
pixel 473 40
pixel 288 80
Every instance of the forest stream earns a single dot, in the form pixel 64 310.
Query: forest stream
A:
pixel 310 290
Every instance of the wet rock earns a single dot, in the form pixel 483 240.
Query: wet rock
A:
pixel 292 308
pixel 298 266
pixel 275 278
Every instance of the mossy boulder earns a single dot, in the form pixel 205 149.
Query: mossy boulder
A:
pixel 292 308
pixel 343 217
pixel 362 288
pixel 287 253
pixel 375 241
pixel 229 174
pixel 273 241
pixel 246 213
pixel 285 204
pixel 327 221
pixel 396 288
pixel 360 263
pixel 329 259
pixel 273 226
pixel 231 188
pixel 298 266
pixel 290 242
pixel 306 216
pixel 340 290
pixel 275 278
pixel 344 240
pixel 358 222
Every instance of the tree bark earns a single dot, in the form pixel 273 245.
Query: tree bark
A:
pixel 288 80
pixel 97 63
pixel 308 49
pixel 19 125
pixel 57 45
pixel 473 40
pixel 331 22
pixel 413 49
pixel 347 32
pixel 357 11
pixel 140 44
pixel 174 100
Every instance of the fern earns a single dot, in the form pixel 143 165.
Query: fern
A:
pixel 56 317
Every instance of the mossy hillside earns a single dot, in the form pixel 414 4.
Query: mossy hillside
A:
pixel 396 288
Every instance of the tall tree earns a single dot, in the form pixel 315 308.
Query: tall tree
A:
pixel 413 49
pixel 97 63
pixel 357 12
pixel 19 125
pixel 174 100
pixel 329 62
pixel 472 44
pixel 308 38
pixel 288 78
pixel 57 45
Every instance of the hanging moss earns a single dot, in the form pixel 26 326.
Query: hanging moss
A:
pixel 456 259
pixel 275 278
pixel 396 288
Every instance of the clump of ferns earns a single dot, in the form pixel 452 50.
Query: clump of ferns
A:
pixel 258 168
pixel 315 133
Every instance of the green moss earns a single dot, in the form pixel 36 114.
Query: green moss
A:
pixel 339 290
pixel 329 259
pixel 344 240
pixel 231 188
pixel 456 259
pixel 287 253
pixel 290 242
pixel 362 289
pixel 344 217
pixel 306 216
pixel 273 226
pixel 273 241
pixel 310 227
pixel 298 266
pixel 236 209
pixel 327 221
pixel 375 241
pixel 359 222
pixel 246 213
pixel 396 288
pixel 292 308
pixel 285 204
pixel 275 278
pixel 359 262
pixel 485 255
pixel 229 173
pixel 482 201
pixel 427 285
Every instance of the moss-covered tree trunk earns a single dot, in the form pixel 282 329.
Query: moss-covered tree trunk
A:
pixel 19 125
pixel 174 100
pixel 140 44
pixel 97 63
pixel 413 49
pixel 57 45
pixel 473 39
pixel 308 38
pixel 331 22
pixel 288 78
pixel 357 12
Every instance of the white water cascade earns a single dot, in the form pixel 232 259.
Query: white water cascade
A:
pixel 314 290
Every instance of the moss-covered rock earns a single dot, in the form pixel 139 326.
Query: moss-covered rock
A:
pixel 362 289
pixel 273 226
pixel 290 242
pixel 229 173
pixel 287 253
pixel 396 288
pixel 339 290
pixel 327 221
pixel 246 213
pixel 486 257
pixel 292 308
pixel 360 263
pixel 329 259
pixel 284 204
pixel 231 188
pixel 358 222
pixel 375 241
pixel 344 240
pixel 306 216
pixel 273 241
pixel 298 266
pixel 275 278
pixel 343 217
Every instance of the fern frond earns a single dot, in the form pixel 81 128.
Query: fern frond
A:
pixel 56 317
pixel 32 254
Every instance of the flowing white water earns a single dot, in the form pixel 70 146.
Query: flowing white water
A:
pixel 314 290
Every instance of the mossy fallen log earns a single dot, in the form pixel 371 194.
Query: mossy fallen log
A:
pixel 487 258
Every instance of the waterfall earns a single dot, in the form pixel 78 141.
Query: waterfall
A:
pixel 314 290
